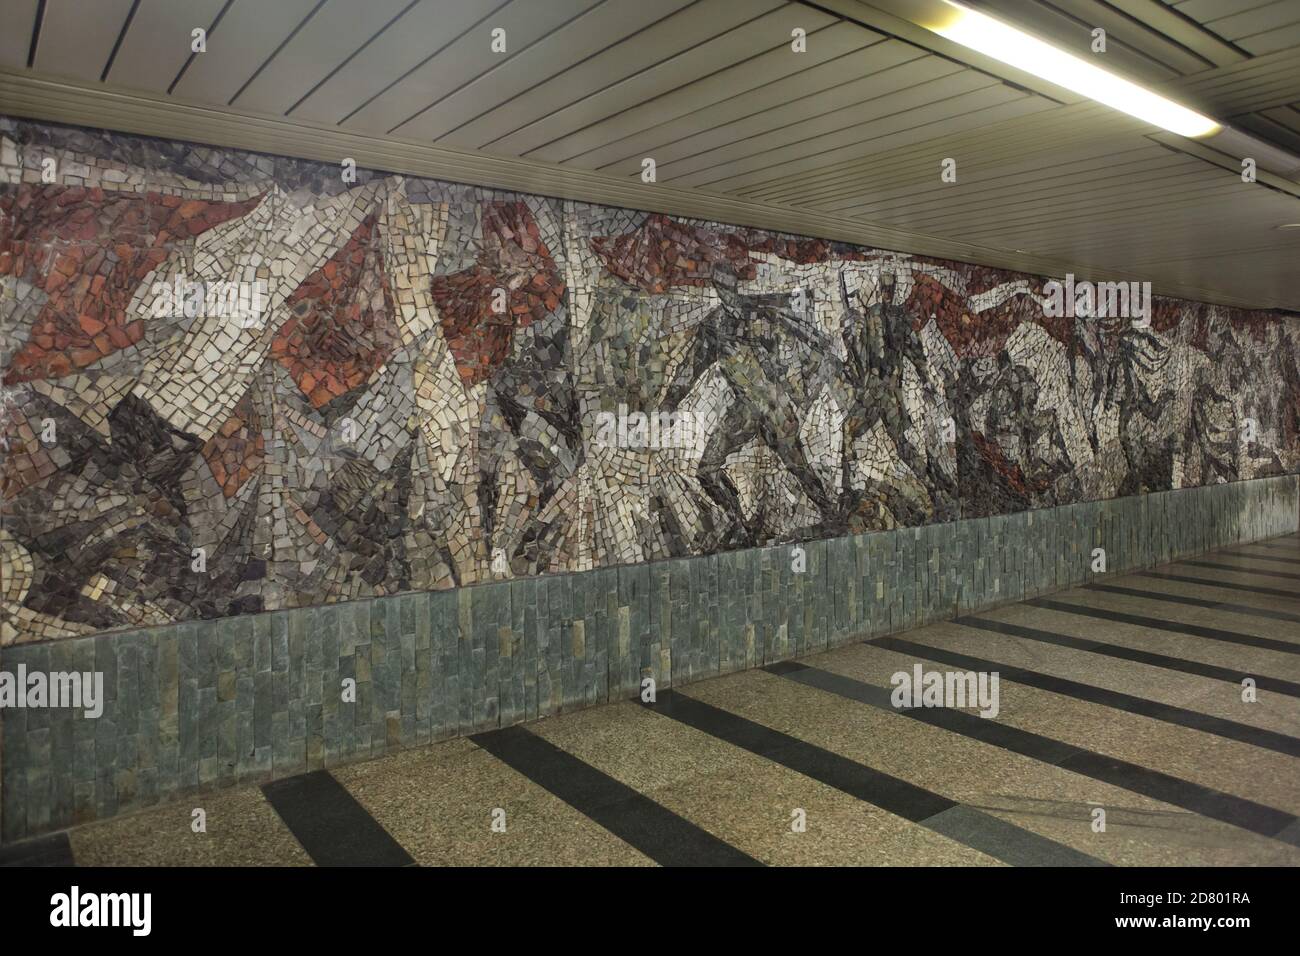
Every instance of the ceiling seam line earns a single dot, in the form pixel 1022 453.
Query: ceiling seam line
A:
pixel 573 66
pixel 1056 121
pixel 1143 25
pixel 1202 28
pixel 787 103
pixel 647 69
pixel 678 89
pixel 126 25
pixel 831 180
pixel 276 52
pixel 912 43
pixel 1064 204
pixel 351 56
pixel 844 170
pixel 474 79
pixel 745 94
pixel 212 28
pixel 832 132
pixel 1178 74
pixel 905 180
pixel 457 38
pixel 36 34
pixel 1039 228
pixel 877 119
pixel 992 186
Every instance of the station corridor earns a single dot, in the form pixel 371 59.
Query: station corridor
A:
pixel 1123 737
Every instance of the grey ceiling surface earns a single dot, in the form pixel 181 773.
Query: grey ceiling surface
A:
pixel 855 127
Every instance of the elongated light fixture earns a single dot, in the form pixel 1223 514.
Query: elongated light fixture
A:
pixel 996 39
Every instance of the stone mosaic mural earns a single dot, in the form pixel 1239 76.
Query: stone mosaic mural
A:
pixel 437 385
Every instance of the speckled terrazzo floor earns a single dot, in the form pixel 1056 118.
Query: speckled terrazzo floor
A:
pixel 1117 705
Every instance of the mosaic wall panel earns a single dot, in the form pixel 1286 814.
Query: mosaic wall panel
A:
pixel 210 703
pixel 422 401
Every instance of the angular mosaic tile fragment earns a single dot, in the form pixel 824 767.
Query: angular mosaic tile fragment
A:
pixel 447 385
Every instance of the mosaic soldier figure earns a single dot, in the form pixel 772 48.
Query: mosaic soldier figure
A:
pixel 1019 426
pixel 742 338
pixel 878 340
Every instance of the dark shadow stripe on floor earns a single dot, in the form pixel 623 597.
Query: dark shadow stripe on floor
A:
pixel 1231 585
pixel 656 831
pixel 331 825
pixel 1260 557
pixel 1245 610
pixel 1145 707
pixel 1005 841
pixel 1176 627
pixel 1224 807
pixel 1281 544
pixel 1238 569
pixel 1137 656
pixel 966 825
pixel 52 850
pixel 1220 566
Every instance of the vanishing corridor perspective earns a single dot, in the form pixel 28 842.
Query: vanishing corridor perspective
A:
pixel 448 385
pixel 1132 750
pixel 622 432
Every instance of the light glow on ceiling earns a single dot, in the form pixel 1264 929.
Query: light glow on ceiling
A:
pixel 1005 43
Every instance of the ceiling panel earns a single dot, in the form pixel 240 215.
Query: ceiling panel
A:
pixel 740 44
pixel 815 79
pixel 639 58
pixel 928 124
pixel 1288 116
pixel 453 67
pixel 19 18
pixel 742 84
pixel 247 36
pixel 78 38
pixel 1128 49
pixel 1271 41
pixel 1039 184
pixel 886 194
pixel 951 95
pixel 888 69
pixel 1125 32
pixel 1204 10
pixel 326 39
pixel 1257 20
pixel 1280 125
pixel 1013 140
pixel 1238 86
pixel 1281 255
pixel 1125 202
pixel 159 41
pixel 1254 27
pixel 1183 30
pixel 415 36
pixel 853 130
pixel 582 37
pixel 1155 213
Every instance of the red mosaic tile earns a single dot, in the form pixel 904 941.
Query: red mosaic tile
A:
pixel 238 449
pixel 514 258
pixel 665 252
pixel 89 251
pixel 23 459
pixel 341 329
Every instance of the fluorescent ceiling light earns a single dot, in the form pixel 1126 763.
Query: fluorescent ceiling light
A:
pixel 1011 46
